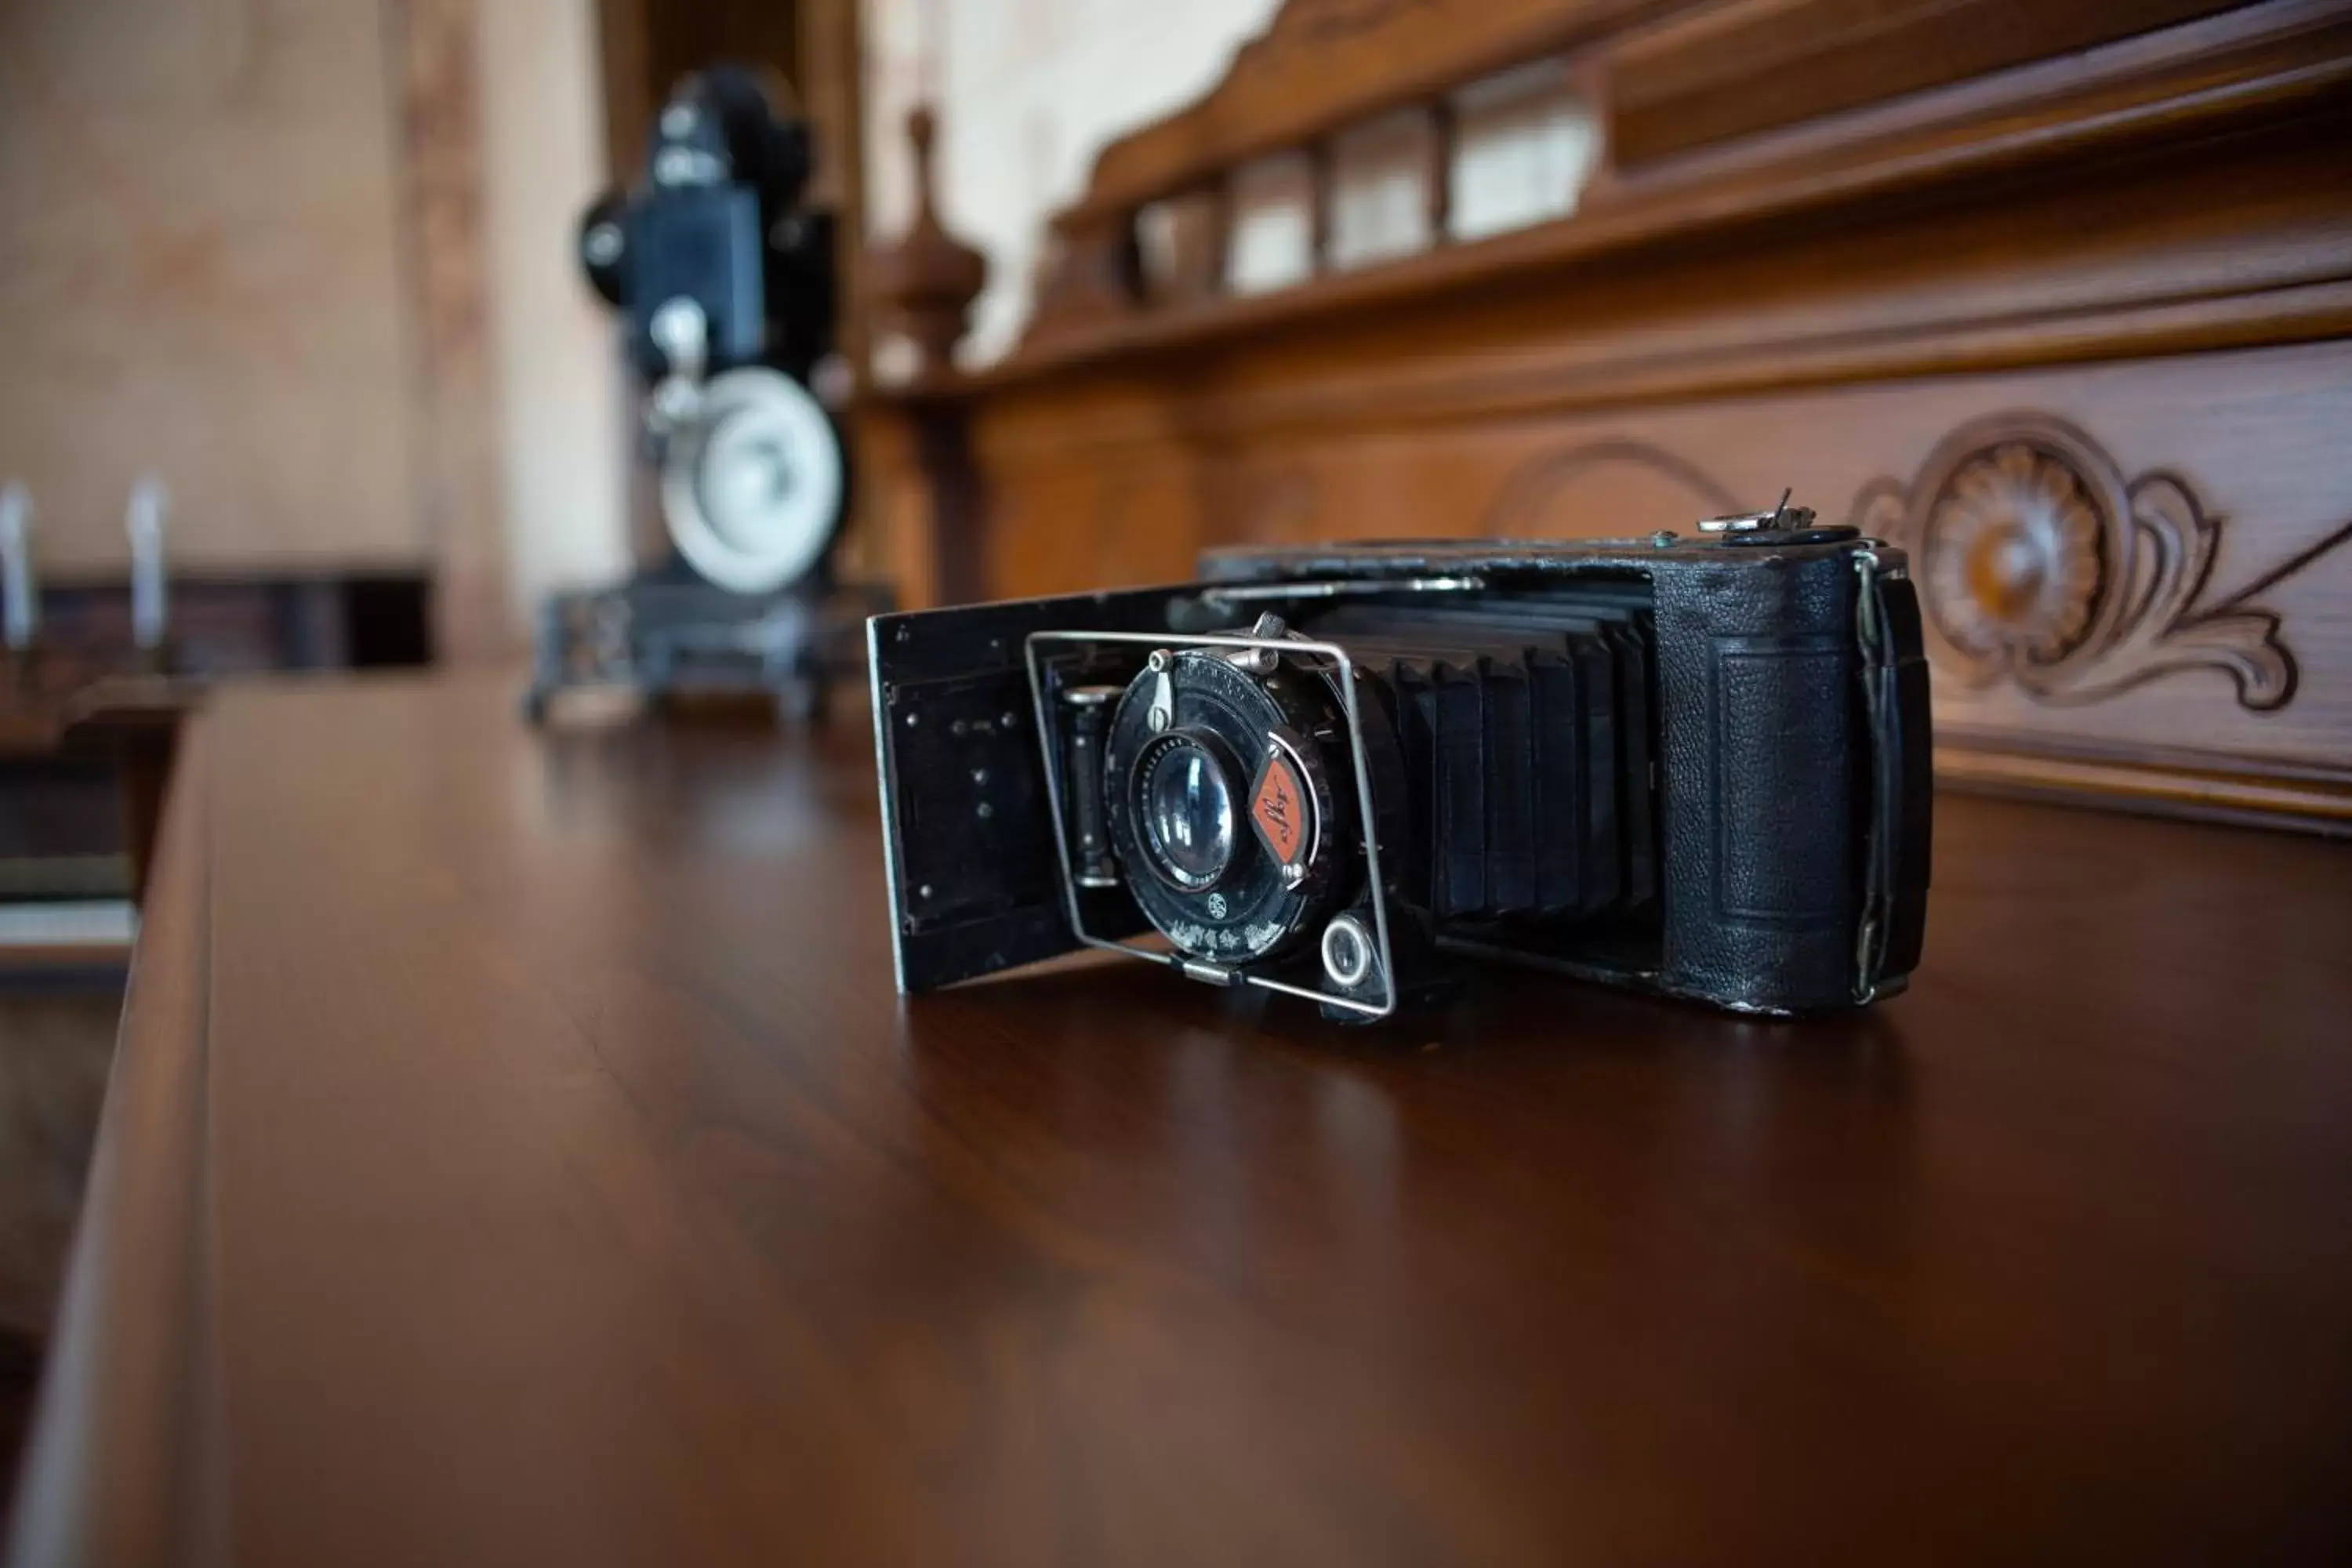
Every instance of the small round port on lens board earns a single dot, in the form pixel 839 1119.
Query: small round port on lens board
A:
pixel 1346 951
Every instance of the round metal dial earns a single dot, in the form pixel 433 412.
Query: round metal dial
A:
pixel 751 486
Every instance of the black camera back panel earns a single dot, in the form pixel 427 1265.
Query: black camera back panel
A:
pixel 967 820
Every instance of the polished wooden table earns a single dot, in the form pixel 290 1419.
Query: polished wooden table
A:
pixel 517 1155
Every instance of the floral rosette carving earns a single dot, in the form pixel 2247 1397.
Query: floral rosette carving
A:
pixel 2039 564
pixel 2014 558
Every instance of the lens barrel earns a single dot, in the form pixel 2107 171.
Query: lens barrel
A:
pixel 1217 790
pixel 1185 805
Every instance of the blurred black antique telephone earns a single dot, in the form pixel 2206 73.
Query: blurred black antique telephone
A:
pixel 725 281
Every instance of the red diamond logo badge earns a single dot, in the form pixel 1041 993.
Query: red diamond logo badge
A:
pixel 1279 810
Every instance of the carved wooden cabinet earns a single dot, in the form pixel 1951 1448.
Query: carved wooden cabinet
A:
pixel 2056 296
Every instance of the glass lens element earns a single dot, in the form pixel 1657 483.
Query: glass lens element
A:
pixel 1188 815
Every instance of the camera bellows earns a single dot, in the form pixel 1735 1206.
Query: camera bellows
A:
pixel 1527 753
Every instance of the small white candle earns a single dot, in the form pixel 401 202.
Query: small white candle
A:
pixel 145 524
pixel 20 604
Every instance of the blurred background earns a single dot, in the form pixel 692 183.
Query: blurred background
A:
pixel 304 373
pixel 305 271
pixel 308 263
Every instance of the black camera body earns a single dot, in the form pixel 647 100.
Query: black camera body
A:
pixel 1698 767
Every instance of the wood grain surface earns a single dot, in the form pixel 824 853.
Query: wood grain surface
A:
pixel 517 1155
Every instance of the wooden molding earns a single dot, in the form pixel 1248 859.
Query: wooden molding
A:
pixel 1632 367
pixel 142 1369
pixel 2281 62
pixel 1919 310
pixel 1321 65
pixel 1730 70
pixel 2174 784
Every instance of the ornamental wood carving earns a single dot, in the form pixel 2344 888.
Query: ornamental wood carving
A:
pixel 1521 508
pixel 2040 565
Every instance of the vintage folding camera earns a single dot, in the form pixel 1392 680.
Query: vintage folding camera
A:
pixel 1694 766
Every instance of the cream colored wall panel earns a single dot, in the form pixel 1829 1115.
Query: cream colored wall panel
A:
pixel 198 278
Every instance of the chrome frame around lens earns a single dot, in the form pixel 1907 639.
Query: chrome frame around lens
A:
pixel 1196 968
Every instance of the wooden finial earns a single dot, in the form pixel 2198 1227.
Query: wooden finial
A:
pixel 924 285
pixel 922 131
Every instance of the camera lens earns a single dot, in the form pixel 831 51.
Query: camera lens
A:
pixel 1215 805
pixel 1187 810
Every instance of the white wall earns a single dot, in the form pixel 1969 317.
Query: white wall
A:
pixel 1028 92
pixel 199 278
pixel 562 442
